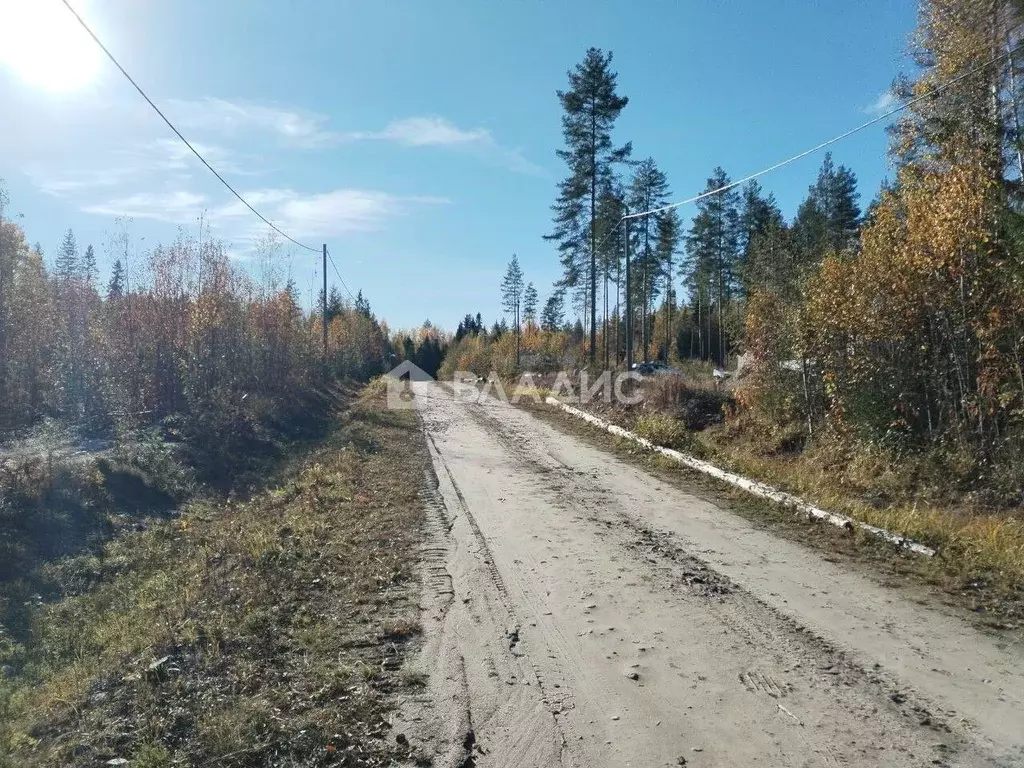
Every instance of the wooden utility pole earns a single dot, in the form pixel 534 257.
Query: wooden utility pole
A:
pixel 629 297
pixel 324 307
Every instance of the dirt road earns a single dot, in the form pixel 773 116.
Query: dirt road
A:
pixel 579 612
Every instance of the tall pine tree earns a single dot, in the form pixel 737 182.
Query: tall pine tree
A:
pixel 553 315
pixel 670 230
pixel 757 214
pixel 89 269
pixel 713 245
pixel 67 266
pixel 590 107
pixel 512 298
pixel 530 304
pixel 828 220
pixel 648 190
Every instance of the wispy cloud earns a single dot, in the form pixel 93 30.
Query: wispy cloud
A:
pixel 121 166
pixel 179 207
pixel 886 101
pixel 309 130
pixel 297 127
pixel 333 213
pixel 338 212
pixel 435 131
pixel 429 131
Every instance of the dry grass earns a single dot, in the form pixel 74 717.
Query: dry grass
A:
pixel 665 430
pixel 978 549
pixel 980 562
pixel 269 631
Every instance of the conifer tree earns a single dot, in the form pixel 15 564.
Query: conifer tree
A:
pixel 590 106
pixel 89 269
pixel 67 264
pixel 669 234
pixel 648 190
pixel 512 298
pixel 713 245
pixel 530 303
pixel 115 288
pixel 553 316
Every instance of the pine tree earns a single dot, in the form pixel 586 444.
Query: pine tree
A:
pixel 713 245
pixel 512 298
pixel 553 316
pixel 590 108
pixel 648 190
pixel 772 262
pixel 115 288
pixel 530 304
pixel 757 214
pixel 335 305
pixel 67 265
pixel 363 306
pixel 828 220
pixel 843 212
pixel 810 232
pixel 669 234
pixel 89 269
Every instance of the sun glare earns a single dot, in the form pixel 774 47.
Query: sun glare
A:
pixel 43 44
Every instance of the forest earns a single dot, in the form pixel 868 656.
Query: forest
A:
pixel 178 331
pixel 893 325
pixel 220 544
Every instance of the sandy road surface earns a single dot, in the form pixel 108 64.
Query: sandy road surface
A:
pixel 580 612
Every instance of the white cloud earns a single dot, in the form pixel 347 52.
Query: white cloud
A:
pixel 338 212
pixel 172 155
pixel 435 131
pixel 309 130
pixel 121 166
pixel 179 207
pixel 886 101
pixel 300 128
pixel 330 213
pixel 431 131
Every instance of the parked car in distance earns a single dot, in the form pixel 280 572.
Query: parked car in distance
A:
pixel 655 368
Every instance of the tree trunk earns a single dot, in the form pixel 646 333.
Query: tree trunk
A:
pixel 618 306
pixel 669 306
pixel 593 233
pixel 604 320
pixel 1019 149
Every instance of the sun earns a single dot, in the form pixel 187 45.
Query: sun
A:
pixel 45 47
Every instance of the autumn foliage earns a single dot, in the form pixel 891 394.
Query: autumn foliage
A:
pixel 182 337
pixel 913 340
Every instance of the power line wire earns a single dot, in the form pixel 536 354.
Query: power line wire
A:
pixel 896 110
pixel 935 91
pixel 343 283
pixel 170 125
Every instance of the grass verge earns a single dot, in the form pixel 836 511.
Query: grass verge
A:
pixel 980 561
pixel 269 631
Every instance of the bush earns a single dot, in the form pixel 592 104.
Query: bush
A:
pixel 698 407
pixel 666 431
pixel 157 459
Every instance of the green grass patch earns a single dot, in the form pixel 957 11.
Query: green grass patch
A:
pixel 270 630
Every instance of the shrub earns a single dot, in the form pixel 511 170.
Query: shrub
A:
pixel 698 406
pixel 667 431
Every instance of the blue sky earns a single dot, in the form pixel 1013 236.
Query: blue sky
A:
pixel 417 138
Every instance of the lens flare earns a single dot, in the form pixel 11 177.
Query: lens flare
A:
pixel 43 45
